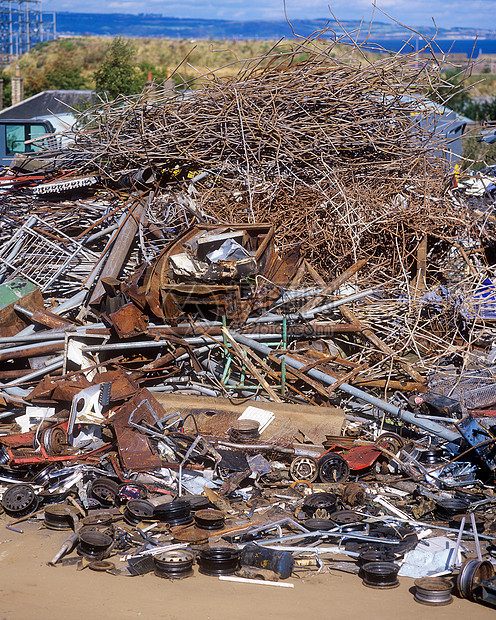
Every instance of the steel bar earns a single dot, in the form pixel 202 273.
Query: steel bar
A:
pixel 122 244
pixel 326 379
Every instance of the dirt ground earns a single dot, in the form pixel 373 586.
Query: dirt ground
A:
pixel 31 589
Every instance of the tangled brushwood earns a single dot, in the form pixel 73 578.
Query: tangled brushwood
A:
pixel 328 147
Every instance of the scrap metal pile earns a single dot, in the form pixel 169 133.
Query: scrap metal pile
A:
pixel 251 327
pixel 298 138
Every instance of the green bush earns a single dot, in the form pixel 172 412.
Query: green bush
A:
pixel 477 154
pixel 118 73
pixel 67 45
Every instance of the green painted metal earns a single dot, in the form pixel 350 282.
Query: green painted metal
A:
pixel 14 290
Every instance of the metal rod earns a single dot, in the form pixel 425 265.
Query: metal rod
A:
pixel 396 412
pixel 57 363
pixel 121 247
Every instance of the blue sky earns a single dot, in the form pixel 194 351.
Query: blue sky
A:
pixel 447 13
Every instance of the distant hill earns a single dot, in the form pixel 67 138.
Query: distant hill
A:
pixel 156 25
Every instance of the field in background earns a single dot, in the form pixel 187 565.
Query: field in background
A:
pixel 69 63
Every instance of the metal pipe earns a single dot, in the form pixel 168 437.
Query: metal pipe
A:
pixel 332 534
pixel 278 318
pixel 187 386
pixel 268 447
pixel 183 462
pixel 166 330
pixel 95 272
pixel 476 537
pixel 326 379
pixel 302 293
pixel 28 347
pixel 275 524
pixel 16 392
pixel 101 233
pixel 335 304
pixel 57 333
pixel 66 547
pixel 297 329
pixel 317 550
pixel 153 344
pixel 57 363
pixel 310 314
pixel 75 301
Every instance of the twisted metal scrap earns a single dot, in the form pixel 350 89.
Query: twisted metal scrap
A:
pixel 326 148
pixel 297 111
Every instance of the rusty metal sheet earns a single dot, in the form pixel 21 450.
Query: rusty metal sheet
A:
pixel 60 389
pixel 12 322
pixel 18 440
pixel 34 352
pixel 215 415
pixel 135 450
pixel 166 297
pixel 49 319
pixel 219 299
pixel 122 386
pixel 66 390
pixel 128 321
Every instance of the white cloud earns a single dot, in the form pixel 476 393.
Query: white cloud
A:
pixel 447 13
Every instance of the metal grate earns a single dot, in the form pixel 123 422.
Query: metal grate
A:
pixel 41 259
pixel 475 388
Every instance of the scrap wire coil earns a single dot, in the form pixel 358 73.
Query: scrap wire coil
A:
pixel 433 591
pixel 218 561
pixel 174 564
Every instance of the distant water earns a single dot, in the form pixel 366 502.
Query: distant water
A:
pixel 470 47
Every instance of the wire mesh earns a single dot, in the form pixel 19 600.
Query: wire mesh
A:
pixel 43 261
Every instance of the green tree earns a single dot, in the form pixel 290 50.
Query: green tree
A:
pixel 117 74
pixel 62 74
pixel 483 111
pixel 7 91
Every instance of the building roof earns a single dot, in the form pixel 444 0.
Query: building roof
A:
pixel 47 103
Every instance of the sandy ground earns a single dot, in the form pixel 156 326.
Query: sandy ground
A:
pixel 31 589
